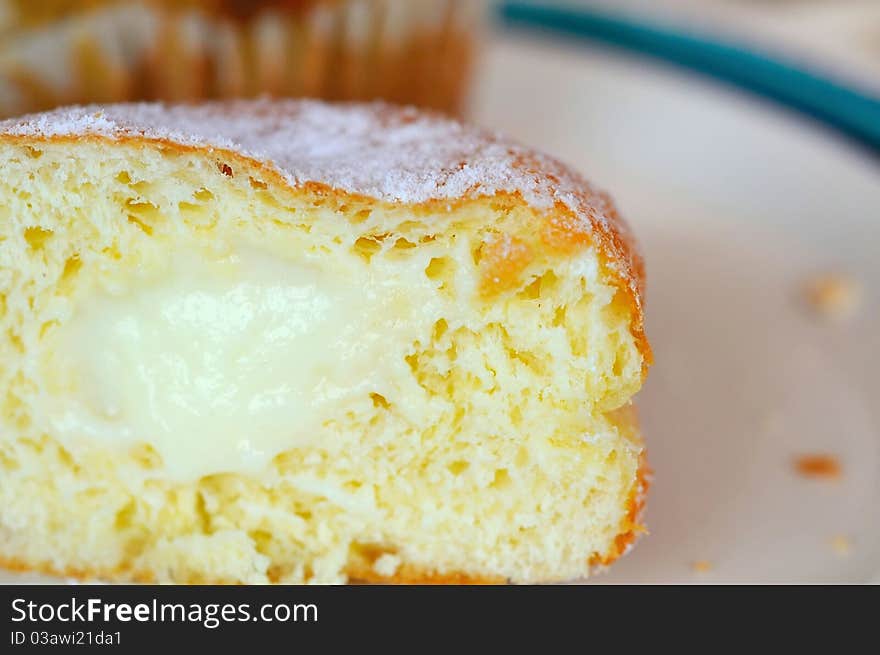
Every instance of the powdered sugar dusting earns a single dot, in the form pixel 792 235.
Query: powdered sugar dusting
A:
pixel 397 155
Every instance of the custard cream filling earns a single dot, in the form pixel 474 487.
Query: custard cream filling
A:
pixel 221 363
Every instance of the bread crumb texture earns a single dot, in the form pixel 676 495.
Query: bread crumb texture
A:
pixel 501 448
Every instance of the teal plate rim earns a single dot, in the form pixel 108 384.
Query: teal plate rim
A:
pixel 848 110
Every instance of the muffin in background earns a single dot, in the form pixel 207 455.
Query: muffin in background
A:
pixel 17 14
pixel 405 51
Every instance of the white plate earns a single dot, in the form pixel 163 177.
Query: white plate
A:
pixel 736 202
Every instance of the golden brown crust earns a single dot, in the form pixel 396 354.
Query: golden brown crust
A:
pixel 584 219
pixel 362 572
pixel 630 530
pixel 631 527
pixel 573 215
pixel 357 574
pixel 18 565
pixel 412 575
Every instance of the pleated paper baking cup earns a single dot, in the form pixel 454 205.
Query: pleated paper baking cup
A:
pixel 406 51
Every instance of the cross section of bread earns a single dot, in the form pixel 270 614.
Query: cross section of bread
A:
pixel 300 342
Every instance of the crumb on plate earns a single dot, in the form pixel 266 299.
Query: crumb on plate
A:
pixel 841 545
pixel 818 465
pixel 702 566
pixel 834 296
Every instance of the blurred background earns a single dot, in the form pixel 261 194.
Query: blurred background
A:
pixel 56 52
pixel 741 140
